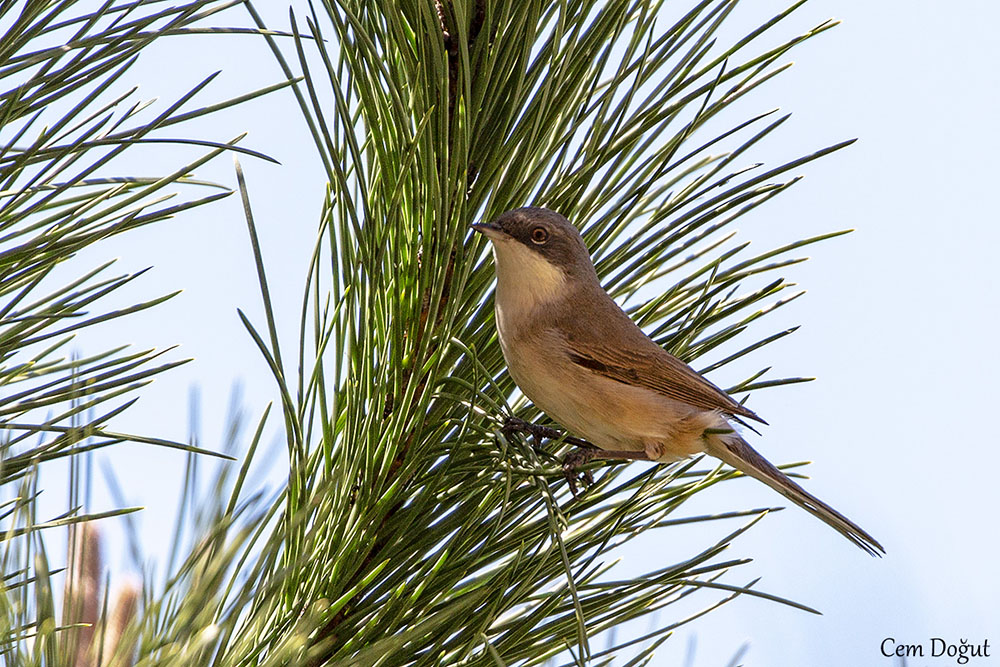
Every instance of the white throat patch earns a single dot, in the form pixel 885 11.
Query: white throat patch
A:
pixel 525 279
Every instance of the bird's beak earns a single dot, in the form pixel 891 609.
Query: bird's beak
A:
pixel 489 230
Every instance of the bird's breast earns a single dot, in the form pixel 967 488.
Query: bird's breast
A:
pixel 610 414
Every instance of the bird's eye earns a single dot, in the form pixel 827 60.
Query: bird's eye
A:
pixel 539 235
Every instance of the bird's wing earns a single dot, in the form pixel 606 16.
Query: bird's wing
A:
pixel 636 360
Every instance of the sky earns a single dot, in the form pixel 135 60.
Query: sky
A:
pixel 898 327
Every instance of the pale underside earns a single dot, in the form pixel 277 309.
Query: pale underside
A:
pixel 605 412
pixel 608 413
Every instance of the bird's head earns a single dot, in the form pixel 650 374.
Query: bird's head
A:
pixel 538 250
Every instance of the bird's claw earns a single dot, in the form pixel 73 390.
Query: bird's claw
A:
pixel 537 432
pixel 572 463
pixel 512 424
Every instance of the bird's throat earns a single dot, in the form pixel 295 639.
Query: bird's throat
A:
pixel 526 281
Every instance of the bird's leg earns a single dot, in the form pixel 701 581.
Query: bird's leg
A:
pixel 573 461
pixel 516 425
pixel 538 432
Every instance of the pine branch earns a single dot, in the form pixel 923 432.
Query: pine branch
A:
pixel 64 124
pixel 408 501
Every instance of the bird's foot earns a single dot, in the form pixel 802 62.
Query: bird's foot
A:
pixel 517 425
pixel 513 424
pixel 571 465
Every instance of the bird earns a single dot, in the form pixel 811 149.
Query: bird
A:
pixel 581 359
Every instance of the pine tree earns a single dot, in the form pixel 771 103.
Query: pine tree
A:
pixel 413 530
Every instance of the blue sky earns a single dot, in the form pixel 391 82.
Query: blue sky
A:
pixel 899 326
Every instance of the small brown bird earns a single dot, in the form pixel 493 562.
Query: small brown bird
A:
pixel 582 360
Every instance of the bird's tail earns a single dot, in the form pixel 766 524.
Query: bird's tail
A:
pixel 737 452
